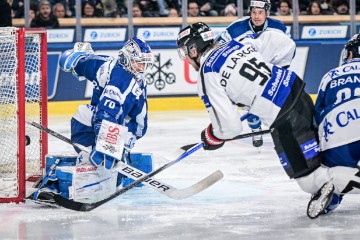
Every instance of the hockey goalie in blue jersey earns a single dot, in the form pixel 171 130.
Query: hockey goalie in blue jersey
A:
pixel 109 126
pixel 337 113
pixel 119 95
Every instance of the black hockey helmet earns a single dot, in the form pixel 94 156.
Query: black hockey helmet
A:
pixel 263 4
pixel 195 36
pixel 352 45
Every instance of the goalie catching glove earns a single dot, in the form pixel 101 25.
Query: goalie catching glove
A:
pixel 109 146
pixel 210 141
pixel 70 58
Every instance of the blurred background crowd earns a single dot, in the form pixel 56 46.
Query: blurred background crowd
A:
pixel 45 13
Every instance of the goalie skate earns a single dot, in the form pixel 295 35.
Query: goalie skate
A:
pixel 320 201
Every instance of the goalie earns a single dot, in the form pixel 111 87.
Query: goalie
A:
pixel 117 114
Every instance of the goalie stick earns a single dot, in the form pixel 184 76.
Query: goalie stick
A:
pixel 135 173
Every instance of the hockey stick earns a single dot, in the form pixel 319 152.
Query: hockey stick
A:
pixel 135 173
pixel 178 155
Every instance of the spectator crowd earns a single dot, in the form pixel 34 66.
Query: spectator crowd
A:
pixel 45 13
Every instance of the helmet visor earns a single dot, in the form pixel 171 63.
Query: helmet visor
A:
pixel 183 52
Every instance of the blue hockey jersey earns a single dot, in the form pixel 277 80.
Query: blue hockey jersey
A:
pixel 118 96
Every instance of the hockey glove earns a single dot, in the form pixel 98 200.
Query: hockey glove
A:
pixel 97 158
pixel 210 141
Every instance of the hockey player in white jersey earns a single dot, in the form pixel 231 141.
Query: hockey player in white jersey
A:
pixel 258 21
pixel 337 113
pixel 235 74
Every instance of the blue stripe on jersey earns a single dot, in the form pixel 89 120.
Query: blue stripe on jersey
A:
pixel 310 149
pixel 274 23
pixel 239 27
pixel 218 57
pixel 206 101
pixel 279 86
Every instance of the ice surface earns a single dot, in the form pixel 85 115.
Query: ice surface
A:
pixel 254 200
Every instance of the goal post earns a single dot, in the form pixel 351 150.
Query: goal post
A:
pixel 23 97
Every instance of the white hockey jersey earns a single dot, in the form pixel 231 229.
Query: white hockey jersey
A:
pixel 275 47
pixel 235 74
pixel 337 107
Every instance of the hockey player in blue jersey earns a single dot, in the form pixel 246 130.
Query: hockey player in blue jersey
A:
pixel 119 95
pixel 337 113
pixel 109 126
pixel 234 74
pixel 258 21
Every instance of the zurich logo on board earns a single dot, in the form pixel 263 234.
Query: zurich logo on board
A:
pixel 146 34
pixel 93 34
pixel 312 31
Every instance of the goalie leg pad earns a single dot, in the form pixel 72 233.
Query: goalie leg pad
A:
pixel 141 161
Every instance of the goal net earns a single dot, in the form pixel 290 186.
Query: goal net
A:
pixel 23 97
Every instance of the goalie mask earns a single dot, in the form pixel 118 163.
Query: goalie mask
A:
pixel 352 45
pixel 262 4
pixel 197 36
pixel 136 56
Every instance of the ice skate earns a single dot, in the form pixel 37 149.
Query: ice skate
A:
pixel 320 201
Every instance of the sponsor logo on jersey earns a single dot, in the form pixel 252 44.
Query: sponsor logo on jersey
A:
pixel 310 149
pixel 345 117
pixel 85 169
pixel 284 161
pixel 112 93
pixel 279 86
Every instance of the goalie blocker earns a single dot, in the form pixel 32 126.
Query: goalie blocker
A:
pixel 84 182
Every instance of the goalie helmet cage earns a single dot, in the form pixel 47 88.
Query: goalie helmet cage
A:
pixel 23 97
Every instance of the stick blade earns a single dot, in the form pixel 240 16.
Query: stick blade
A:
pixel 72 205
pixel 198 187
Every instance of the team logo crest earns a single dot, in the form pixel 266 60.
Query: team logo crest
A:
pixel 327 129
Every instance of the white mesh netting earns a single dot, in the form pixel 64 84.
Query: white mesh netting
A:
pixel 9 108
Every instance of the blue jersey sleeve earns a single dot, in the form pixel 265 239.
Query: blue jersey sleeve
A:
pixel 88 67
